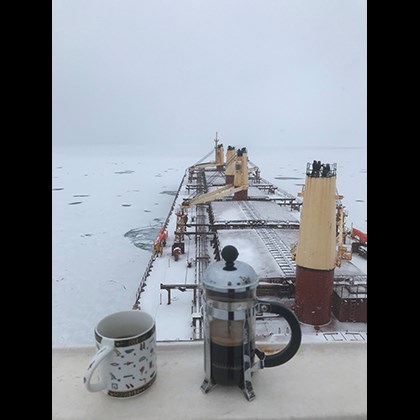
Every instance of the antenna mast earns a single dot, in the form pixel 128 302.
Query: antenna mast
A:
pixel 216 140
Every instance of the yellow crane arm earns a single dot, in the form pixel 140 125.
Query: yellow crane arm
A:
pixel 213 195
pixel 202 165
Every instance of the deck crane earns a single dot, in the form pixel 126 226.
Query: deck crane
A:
pixel 182 217
pixel 227 166
pixel 342 252
pixel 218 160
pixel 236 184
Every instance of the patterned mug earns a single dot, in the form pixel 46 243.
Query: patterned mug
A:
pixel 126 356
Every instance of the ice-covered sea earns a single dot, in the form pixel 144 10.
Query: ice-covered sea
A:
pixel 108 203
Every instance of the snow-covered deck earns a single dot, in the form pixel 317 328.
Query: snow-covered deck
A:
pixel 323 381
pixel 266 249
pixel 263 210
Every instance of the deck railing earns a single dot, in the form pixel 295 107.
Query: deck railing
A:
pixel 149 266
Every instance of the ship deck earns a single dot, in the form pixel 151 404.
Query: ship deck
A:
pixel 325 379
pixel 263 228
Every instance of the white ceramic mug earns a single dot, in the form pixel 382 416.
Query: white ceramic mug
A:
pixel 126 356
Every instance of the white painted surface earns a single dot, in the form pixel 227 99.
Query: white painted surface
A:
pixel 322 381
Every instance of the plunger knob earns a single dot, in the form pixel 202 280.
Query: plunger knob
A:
pixel 229 254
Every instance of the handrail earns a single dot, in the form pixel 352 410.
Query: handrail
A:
pixel 146 274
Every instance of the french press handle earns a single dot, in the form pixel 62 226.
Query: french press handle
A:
pixel 293 345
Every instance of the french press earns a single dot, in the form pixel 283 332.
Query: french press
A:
pixel 230 308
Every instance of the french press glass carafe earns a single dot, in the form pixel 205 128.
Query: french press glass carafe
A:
pixel 230 308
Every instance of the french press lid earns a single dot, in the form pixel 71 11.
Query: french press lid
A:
pixel 229 275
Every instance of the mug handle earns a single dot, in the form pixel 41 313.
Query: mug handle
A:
pixel 94 363
pixel 293 345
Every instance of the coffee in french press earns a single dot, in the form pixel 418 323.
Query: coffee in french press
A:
pixel 230 308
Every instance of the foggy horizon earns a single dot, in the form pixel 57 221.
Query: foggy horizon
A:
pixel 173 73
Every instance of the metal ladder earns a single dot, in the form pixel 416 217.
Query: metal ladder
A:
pixel 277 248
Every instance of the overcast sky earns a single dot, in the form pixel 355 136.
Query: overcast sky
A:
pixel 170 73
